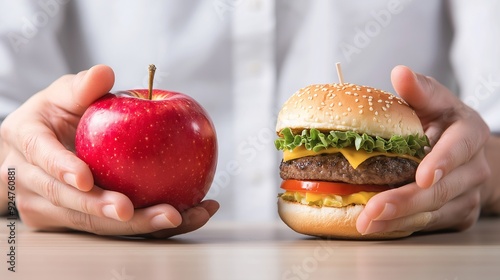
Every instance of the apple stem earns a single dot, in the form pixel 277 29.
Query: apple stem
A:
pixel 152 70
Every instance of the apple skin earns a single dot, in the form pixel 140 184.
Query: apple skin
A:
pixel 162 150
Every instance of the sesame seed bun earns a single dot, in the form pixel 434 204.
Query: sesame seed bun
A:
pixel 349 107
pixel 328 222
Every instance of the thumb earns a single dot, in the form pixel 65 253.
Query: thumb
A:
pixel 90 85
pixel 428 97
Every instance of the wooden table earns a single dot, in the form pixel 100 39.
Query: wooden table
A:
pixel 251 251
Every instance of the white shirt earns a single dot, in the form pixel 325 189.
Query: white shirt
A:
pixel 241 59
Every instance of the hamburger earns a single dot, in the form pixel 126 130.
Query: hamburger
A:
pixel 342 144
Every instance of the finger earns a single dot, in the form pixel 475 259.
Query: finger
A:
pixel 457 145
pixel 42 215
pixel 96 202
pixel 192 219
pixel 429 98
pixel 85 87
pixel 446 118
pixel 459 214
pixel 411 223
pixel 409 200
pixel 40 147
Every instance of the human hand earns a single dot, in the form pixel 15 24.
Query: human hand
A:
pixel 55 189
pixel 446 194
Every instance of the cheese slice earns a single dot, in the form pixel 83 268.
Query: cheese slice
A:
pixel 328 200
pixel 353 156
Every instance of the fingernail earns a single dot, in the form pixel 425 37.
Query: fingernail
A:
pixel 70 179
pixel 373 227
pixel 388 212
pixel 110 212
pixel 438 174
pixel 161 222
pixel 362 220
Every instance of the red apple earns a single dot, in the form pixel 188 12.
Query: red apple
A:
pixel 154 146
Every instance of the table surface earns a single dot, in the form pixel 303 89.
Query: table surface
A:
pixel 222 250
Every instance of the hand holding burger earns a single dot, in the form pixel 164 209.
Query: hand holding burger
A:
pixel 453 183
pixel 342 144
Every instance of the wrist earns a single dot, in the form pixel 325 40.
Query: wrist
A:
pixel 490 192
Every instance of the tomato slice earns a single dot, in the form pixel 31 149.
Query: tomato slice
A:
pixel 330 187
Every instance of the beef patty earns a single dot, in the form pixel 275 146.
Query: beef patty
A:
pixel 379 170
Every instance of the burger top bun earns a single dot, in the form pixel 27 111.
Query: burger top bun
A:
pixel 349 107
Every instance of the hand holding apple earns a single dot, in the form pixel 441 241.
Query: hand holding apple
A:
pixel 154 146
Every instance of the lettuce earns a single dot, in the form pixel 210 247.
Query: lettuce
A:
pixel 313 139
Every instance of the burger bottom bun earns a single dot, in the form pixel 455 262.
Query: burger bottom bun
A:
pixel 328 222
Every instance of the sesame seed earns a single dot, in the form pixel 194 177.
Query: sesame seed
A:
pixel 360 106
pixel 380 101
pixel 356 100
pixel 344 114
pixel 368 90
pixel 371 108
pixel 383 108
pixel 340 103
pixel 349 109
pixel 361 111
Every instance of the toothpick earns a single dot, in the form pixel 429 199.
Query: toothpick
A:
pixel 339 73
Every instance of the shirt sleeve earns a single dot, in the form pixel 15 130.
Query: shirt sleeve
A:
pixel 475 56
